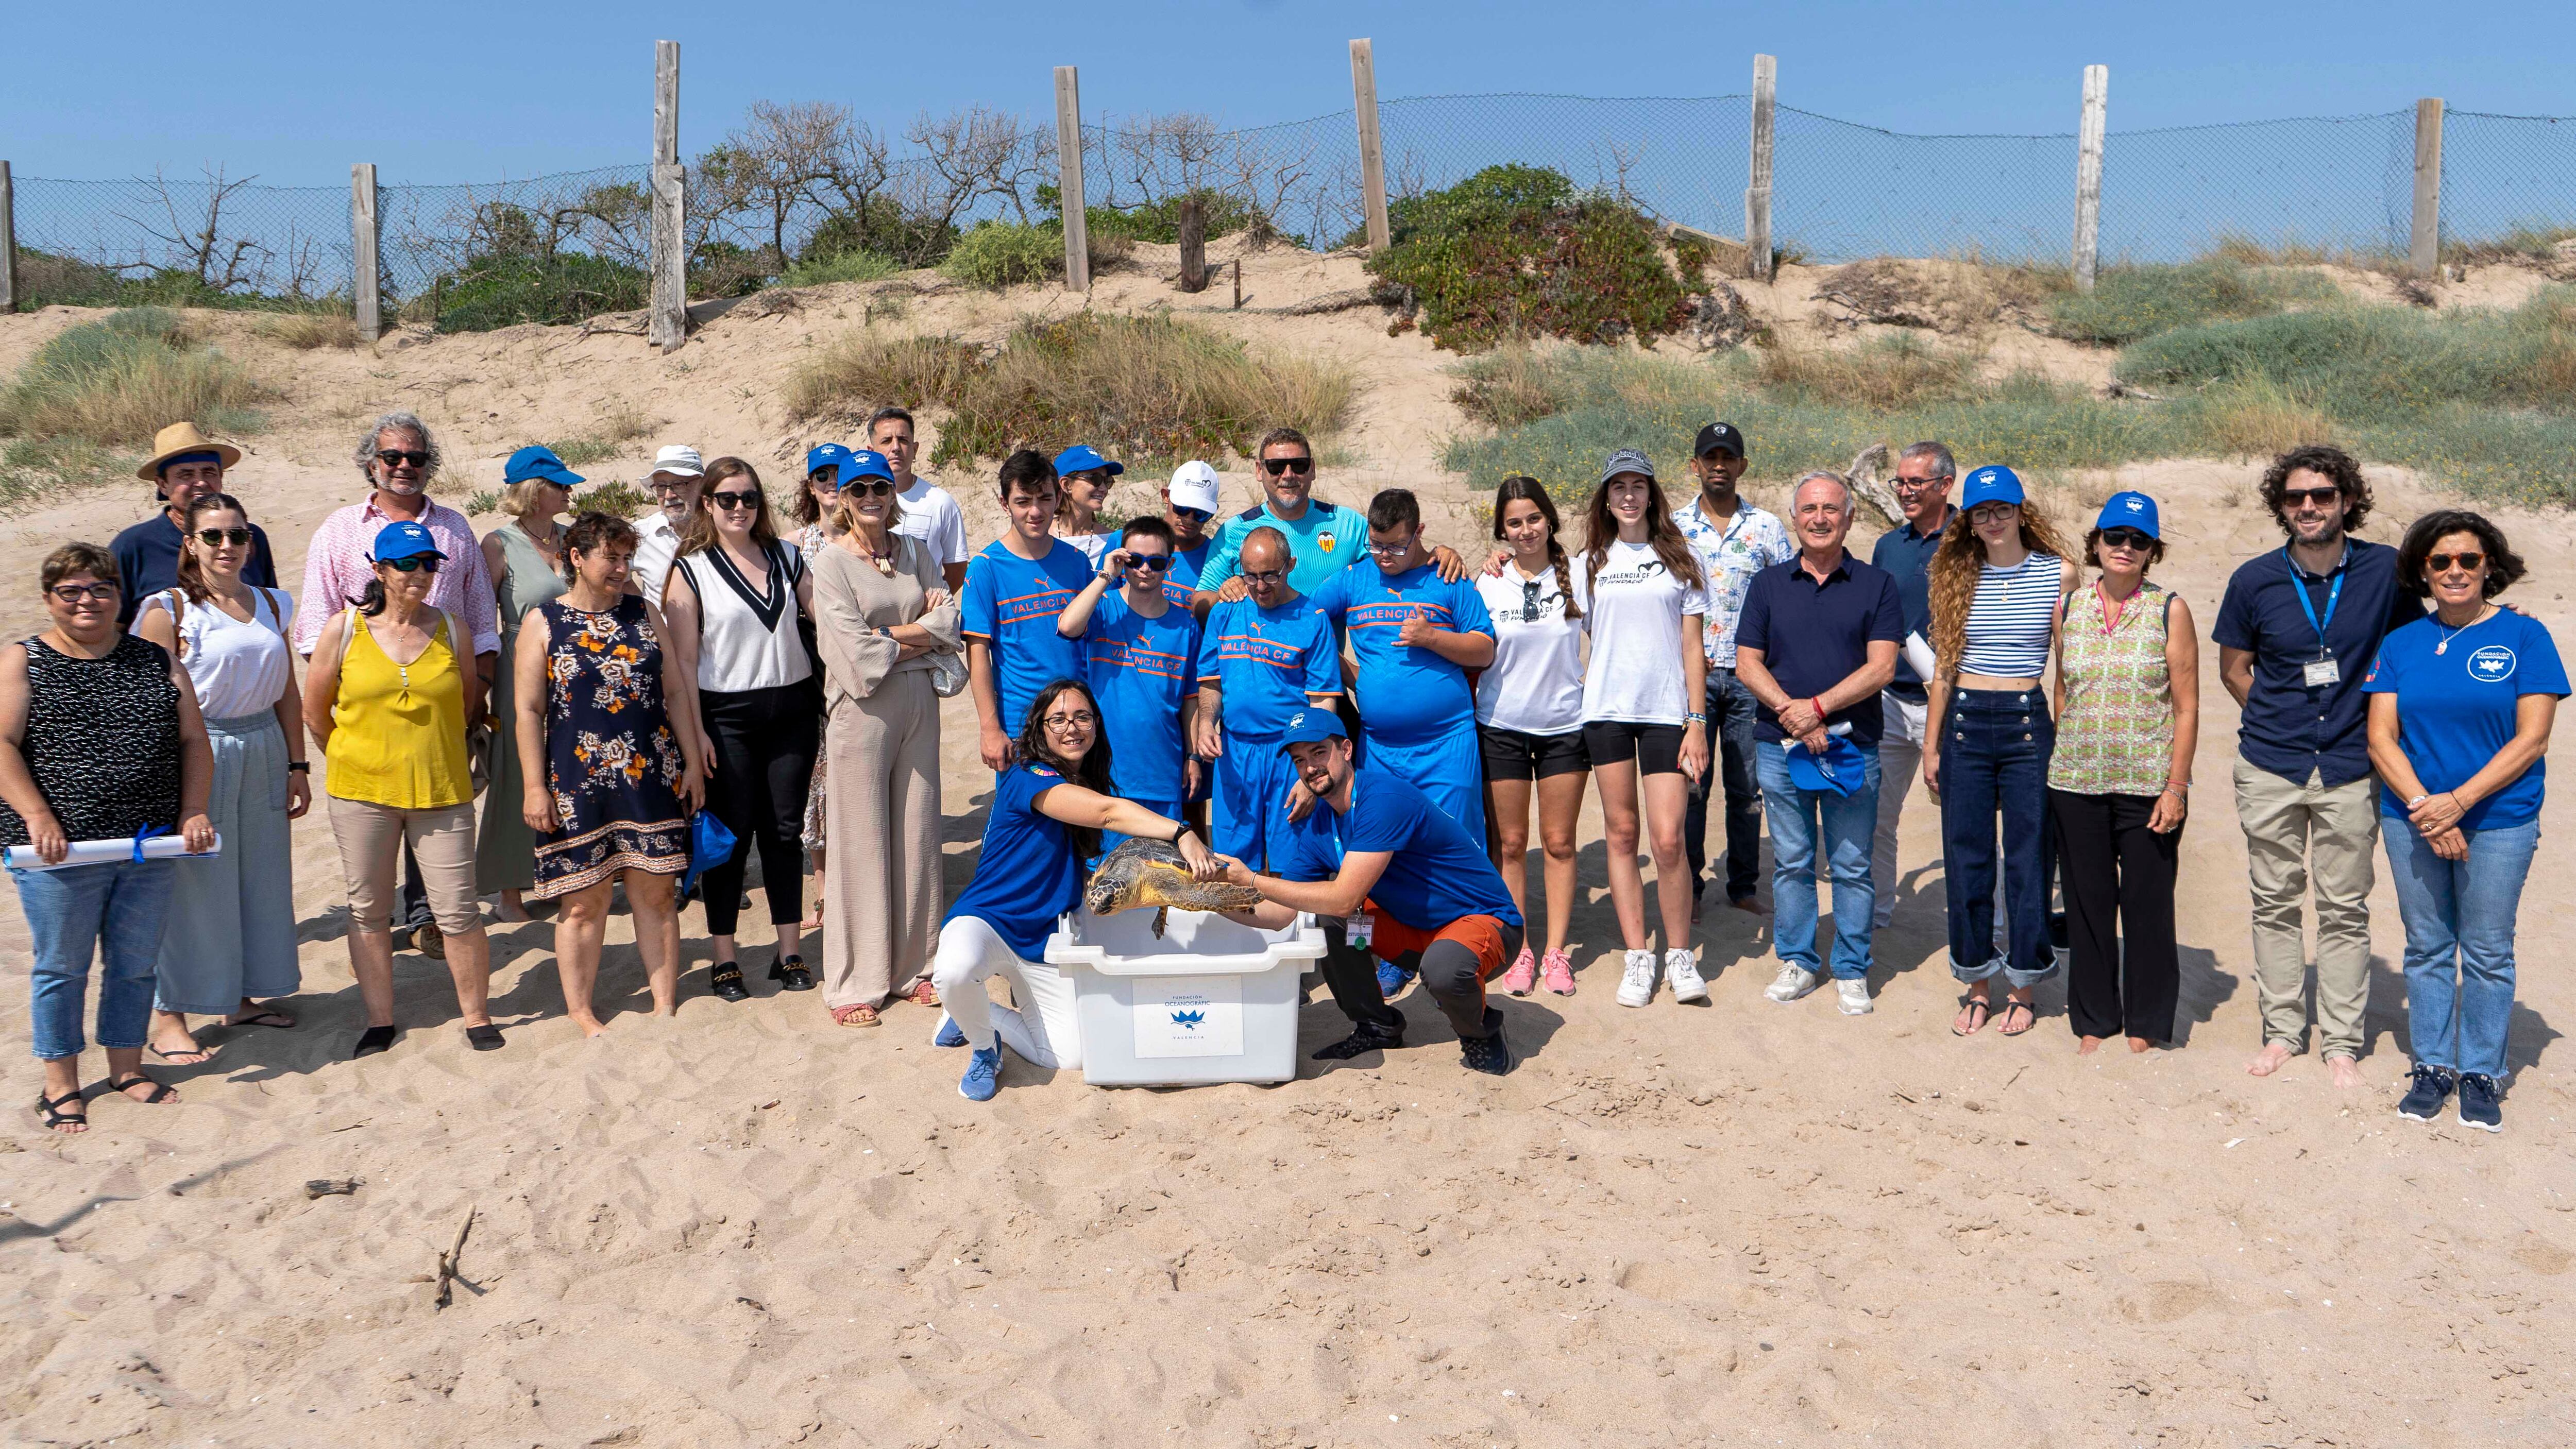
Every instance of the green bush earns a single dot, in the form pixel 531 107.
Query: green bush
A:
pixel 1514 252
pixel 2128 303
pixel 998 254
pixel 89 400
pixel 2360 360
pixel 493 292
pixel 842 267
pixel 881 226
pixel 46 279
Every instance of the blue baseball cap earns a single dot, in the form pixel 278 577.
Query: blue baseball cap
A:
pixel 1310 725
pixel 1992 483
pixel 861 463
pixel 535 461
pixel 1084 458
pixel 2129 510
pixel 405 540
pixel 1839 769
pixel 828 455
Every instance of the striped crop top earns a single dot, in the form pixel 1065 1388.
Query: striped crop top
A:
pixel 2008 624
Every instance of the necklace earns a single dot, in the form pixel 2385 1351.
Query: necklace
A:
pixel 883 561
pixel 2474 620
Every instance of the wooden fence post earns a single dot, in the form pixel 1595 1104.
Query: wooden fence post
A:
pixel 1757 195
pixel 1193 224
pixel 1068 183
pixel 8 242
pixel 364 273
pixel 1372 150
pixel 2088 174
pixel 2424 244
pixel 668 324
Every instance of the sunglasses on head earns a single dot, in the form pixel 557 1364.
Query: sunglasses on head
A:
pixel 874 487
pixel 2322 497
pixel 2126 538
pixel 399 457
pixel 426 563
pixel 2467 563
pixel 1529 600
pixel 1277 466
pixel 75 593
pixel 729 501
pixel 218 537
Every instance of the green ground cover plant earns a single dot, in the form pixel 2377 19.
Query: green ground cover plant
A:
pixel 86 405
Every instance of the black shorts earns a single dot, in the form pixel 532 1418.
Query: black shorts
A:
pixel 1656 748
pixel 1512 755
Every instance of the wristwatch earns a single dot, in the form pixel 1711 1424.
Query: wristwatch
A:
pixel 295 765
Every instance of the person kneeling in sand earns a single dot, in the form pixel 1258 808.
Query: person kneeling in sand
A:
pixel 1415 888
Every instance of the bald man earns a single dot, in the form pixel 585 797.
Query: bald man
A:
pixel 1262 659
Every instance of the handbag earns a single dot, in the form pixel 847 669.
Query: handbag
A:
pixel 711 844
pixel 947 674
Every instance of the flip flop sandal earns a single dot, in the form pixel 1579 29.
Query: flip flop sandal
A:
pixel 56 1119
pixel 171 1058
pixel 1981 1007
pixel 858 1014
pixel 265 1016
pixel 161 1091
pixel 2026 1009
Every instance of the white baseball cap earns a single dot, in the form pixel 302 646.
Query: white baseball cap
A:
pixel 680 461
pixel 1195 485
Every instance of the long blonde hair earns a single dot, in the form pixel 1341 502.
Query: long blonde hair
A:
pixel 1954 571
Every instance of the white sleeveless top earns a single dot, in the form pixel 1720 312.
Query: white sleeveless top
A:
pixel 747 636
pixel 238 668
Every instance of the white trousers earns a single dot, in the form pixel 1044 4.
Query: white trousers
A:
pixel 1042 1030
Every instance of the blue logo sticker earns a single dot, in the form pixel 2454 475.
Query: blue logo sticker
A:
pixel 2491 664
pixel 1188 1020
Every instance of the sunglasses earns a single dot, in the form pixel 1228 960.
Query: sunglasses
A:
pixel 1529 600
pixel 96 593
pixel 1276 466
pixel 1194 515
pixel 1152 563
pixel 2322 497
pixel 877 488
pixel 1264 576
pixel 2467 563
pixel 1068 721
pixel 2127 538
pixel 426 563
pixel 1391 550
pixel 402 457
pixel 218 537
pixel 730 501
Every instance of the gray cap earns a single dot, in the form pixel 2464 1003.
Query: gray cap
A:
pixel 1626 460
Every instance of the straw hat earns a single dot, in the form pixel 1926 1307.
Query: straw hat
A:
pixel 180 438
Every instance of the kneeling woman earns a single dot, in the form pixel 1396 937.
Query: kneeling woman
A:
pixel 1048 812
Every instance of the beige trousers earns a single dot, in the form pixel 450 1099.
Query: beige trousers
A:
pixel 881 825
pixel 2295 834
pixel 371 838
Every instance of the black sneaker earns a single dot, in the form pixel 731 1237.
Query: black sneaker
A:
pixel 1368 1038
pixel 2478 1104
pixel 1488 1054
pixel 2424 1100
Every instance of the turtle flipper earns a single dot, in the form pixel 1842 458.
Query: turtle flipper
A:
pixel 1160 916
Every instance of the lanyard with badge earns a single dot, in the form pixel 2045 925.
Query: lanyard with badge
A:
pixel 2322 670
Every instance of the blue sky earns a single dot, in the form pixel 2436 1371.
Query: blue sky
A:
pixel 469 91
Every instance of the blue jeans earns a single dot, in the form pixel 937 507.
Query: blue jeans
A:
pixel 2459 942
pixel 1801 820
pixel 1994 761
pixel 1730 718
pixel 112 910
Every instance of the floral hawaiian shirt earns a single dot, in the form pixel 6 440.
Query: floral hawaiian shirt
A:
pixel 1731 556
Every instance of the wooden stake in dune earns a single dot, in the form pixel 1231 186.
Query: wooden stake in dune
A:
pixel 1372 151
pixel 1238 284
pixel 669 326
pixel 364 276
pixel 1068 179
pixel 2424 240
pixel 1757 192
pixel 2088 174
pixel 447 1261
pixel 8 242
pixel 1193 220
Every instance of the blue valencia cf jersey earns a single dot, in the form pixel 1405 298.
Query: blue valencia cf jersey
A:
pixel 1012 604
pixel 1407 693
pixel 1140 670
pixel 1266 661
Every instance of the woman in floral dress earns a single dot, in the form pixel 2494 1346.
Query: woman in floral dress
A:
pixel 608 741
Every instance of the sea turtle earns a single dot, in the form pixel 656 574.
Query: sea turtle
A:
pixel 1151 873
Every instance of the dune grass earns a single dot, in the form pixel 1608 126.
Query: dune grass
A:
pixel 2130 303
pixel 1146 390
pixel 310 331
pixel 620 424
pixel 88 402
pixel 859 266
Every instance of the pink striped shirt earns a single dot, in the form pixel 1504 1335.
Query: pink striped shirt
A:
pixel 338 564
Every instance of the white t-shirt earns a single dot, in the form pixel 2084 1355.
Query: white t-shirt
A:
pixel 931 514
pixel 1535 684
pixel 657 542
pixel 1634 611
pixel 238 668
pixel 1094 546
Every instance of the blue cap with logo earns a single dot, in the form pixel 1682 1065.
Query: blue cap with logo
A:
pixel 1084 458
pixel 828 455
pixel 1993 483
pixel 864 463
pixel 537 461
pixel 405 540
pixel 2129 510
pixel 1311 724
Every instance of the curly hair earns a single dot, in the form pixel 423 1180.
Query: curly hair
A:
pixel 590 533
pixel 1601 529
pixel 2329 462
pixel 398 422
pixel 2504 567
pixel 1522 488
pixel 1091 772
pixel 1954 571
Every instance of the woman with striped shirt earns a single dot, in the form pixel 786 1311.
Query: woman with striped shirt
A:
pixel 1996 583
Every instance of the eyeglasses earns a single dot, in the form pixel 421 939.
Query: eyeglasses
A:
pixel 1152 563
pixel 2322 497
pixel 75 593
pixel 1069 721
pixel 1264 576
pixel 401 457
pixel 876 489
pixel 1391 550
pixel 1276 466
pixel 423 562
pixel 1194 515
pixel 1917 485
pixel 2126 538
pixel 218 537
pixel 1993 512
pixel 2467 563
pixel 730 501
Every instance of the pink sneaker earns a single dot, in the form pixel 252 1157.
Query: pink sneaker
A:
pixel 1559 971
pixel 1523 975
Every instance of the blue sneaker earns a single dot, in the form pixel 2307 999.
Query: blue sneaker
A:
pixel 1392 979
pixel 2478 1103
pixel 949 1035
pixel 983 1077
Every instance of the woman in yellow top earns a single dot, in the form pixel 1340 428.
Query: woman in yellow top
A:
pixel 385 701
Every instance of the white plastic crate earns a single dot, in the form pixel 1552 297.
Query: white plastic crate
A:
pixel 1209 1001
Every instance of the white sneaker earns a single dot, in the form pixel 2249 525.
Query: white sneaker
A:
pixel 1683 973
pixel 1637 986
pixel 1792 983
pixel 1855 998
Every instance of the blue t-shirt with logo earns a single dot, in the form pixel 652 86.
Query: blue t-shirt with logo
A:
pixel 1435 873
pixel 1140 670
pixel 1189 563
pixel 2455 708
pixel 1407 693
pixel 1011 603
pixel 1028 873
pixel 1321 543
pixel 1266 661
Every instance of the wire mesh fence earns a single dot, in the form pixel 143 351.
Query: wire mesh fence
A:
pixel 765 200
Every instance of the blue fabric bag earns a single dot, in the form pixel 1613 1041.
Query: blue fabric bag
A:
pixel 710 845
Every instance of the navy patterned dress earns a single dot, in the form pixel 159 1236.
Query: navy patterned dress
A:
pixel 613 765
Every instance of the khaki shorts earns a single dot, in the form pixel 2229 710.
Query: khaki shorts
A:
pixel 442 841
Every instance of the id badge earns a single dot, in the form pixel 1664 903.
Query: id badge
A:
pixel 2322 672
pixel 1359 927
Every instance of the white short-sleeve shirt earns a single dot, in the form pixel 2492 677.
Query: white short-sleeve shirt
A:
pixel 1535 684
pixel 1633 607
pixel 238 668
pixel 931 514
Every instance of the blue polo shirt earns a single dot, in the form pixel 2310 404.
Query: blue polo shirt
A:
pixel 1028 872
pixel 1321 543
pixel 1140 670
pixel 1813 635
pixel 1408 693
pixel 1011 604
pixel 1907 557
pixel 2456 709
pixel 2290 727
pixel 1266 661
pixel 1437 873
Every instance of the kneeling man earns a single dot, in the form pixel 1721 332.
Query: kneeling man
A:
pixel 1415 889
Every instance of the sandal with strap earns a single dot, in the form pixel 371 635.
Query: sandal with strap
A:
pixel 855 1014
pixel 1962 1025
pixel 2030 1015
pixel 161 1091
pixel 725 980
pixel 925 994
pixel 58 1120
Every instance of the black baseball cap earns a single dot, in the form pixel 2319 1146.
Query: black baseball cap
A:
pixel 1720 435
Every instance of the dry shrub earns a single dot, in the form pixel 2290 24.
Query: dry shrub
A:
pixel 308 331
pixel 867 369
pixel 1507 387
pixel 2258 417
pixel 1891 372
pixel 620 423
pixel 1954 295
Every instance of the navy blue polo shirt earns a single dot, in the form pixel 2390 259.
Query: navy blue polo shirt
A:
pixel 1907 557
pixel 1814 636
pixel 2290 727
pixel 147 561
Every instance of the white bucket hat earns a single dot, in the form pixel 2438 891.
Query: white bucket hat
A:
pixel 680 461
